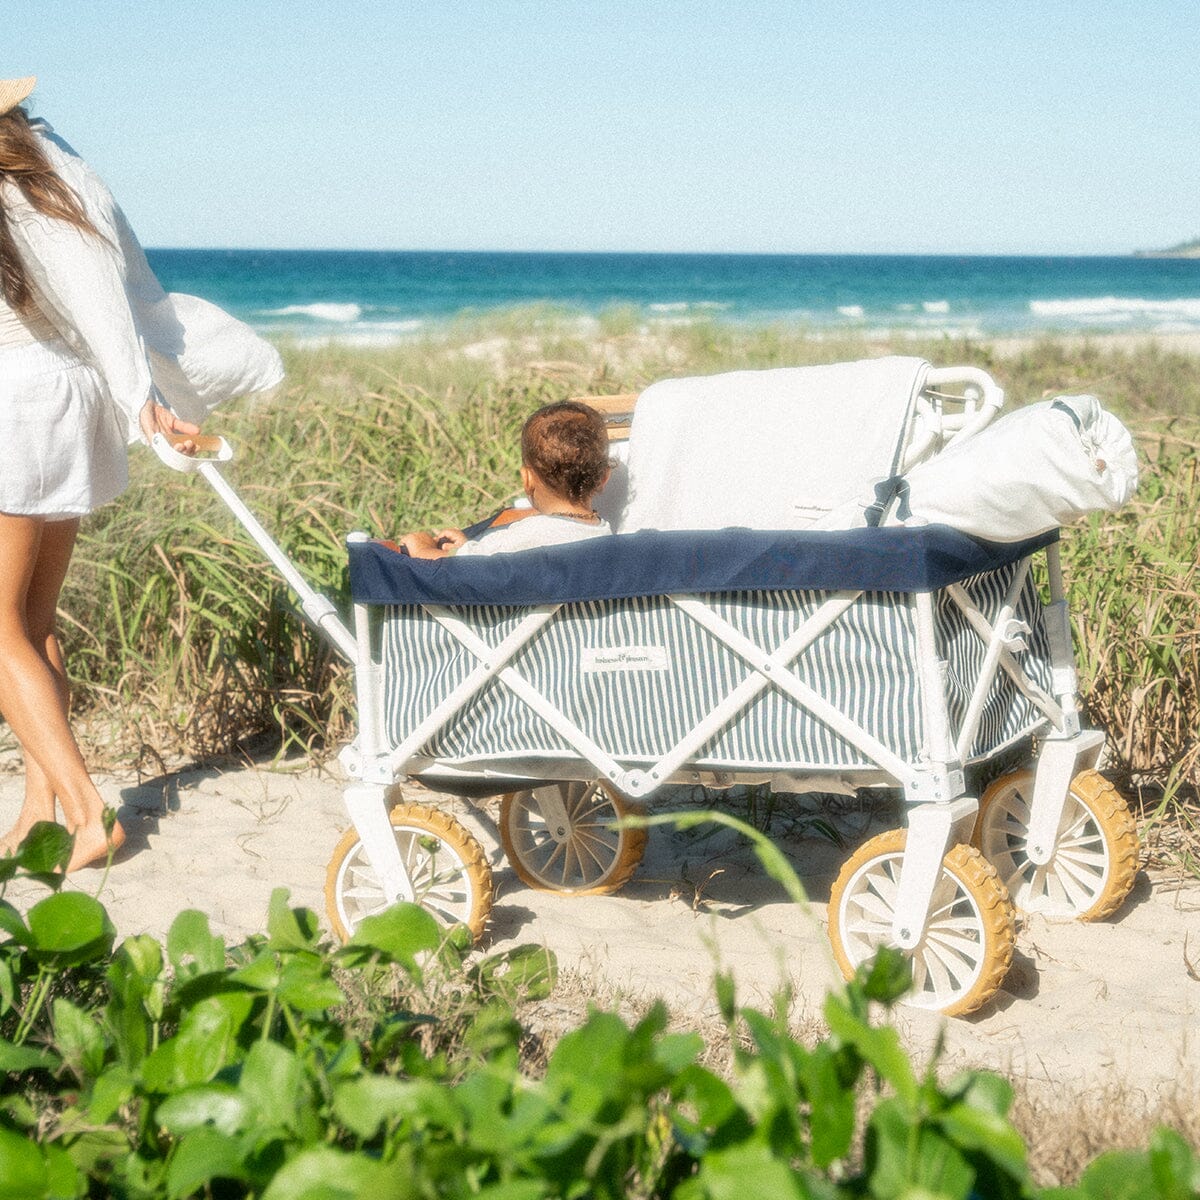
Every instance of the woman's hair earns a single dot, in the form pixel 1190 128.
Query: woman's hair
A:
pixel 567 445
pixel 24 164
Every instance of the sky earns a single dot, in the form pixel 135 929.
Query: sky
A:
pixel 762 126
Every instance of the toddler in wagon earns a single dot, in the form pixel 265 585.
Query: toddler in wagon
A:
pixel 564 465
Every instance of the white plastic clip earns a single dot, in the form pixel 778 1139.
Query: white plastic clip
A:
pixel 1014 636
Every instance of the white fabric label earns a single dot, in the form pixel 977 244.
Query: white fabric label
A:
pixel 624 658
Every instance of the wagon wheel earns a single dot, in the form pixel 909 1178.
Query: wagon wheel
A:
pixel 967 946
pixel 450 875
pixel 1095 857
pixel 564 837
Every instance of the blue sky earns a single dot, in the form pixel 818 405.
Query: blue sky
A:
pixel 958 126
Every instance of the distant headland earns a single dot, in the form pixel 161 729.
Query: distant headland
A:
pixel 1183 250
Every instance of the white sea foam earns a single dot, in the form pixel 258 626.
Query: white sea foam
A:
pixel 936 306
pixel 851 310
pixel 1113 309
pixel 677 307
pixel 323 312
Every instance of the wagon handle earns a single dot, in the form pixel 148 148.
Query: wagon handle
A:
pixel 212 451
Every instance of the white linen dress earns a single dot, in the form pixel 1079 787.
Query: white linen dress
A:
pixel 103 338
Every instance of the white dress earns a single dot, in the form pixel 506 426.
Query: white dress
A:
pixel 69 403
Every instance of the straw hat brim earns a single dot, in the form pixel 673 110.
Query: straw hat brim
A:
pixel 13 91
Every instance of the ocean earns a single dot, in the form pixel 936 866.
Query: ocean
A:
pixel 373 297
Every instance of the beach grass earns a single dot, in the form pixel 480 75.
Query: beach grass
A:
pixel 184 642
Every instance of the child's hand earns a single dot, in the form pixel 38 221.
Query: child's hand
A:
pixel 450 539
pixel 422 545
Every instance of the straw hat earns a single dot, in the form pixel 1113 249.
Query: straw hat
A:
pixel 13 91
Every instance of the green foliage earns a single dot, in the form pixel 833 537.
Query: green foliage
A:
pixel 283 1068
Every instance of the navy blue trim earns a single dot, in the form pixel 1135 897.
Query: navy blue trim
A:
pixel 894 559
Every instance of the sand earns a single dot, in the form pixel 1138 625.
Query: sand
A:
pixel 1085 1007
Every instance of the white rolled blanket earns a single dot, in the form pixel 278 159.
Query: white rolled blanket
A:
pixel 1031 471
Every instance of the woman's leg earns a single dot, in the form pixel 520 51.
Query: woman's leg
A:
pixel 41 620
pixel 33 562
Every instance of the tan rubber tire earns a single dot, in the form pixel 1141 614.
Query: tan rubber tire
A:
pixel 449 870
pixel 587 855
pixel 1095 859
pixel 967 947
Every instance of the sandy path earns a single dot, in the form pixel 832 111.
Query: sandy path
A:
pixel 1085 1006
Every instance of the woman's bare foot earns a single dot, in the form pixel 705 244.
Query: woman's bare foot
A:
pixel 92 845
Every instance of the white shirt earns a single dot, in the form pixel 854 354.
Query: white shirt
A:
pixel 103 300
pixel 530 532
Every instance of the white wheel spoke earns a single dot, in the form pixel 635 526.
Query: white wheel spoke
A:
pixel 965 947
pixel 874 905
pixel 1079 886
pixel 939 985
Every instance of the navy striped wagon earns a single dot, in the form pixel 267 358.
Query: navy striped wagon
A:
pixel 780 624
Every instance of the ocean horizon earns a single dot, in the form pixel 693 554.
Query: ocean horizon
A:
pixel 373 297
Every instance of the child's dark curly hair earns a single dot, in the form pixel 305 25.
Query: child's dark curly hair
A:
pixel 567 445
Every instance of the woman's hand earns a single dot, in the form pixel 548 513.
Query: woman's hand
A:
pixel 155 418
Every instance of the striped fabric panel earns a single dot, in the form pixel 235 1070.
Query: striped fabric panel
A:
pixel 1007 714
pixel 864 665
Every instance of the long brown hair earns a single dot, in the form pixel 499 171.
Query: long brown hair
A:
pixel 25 165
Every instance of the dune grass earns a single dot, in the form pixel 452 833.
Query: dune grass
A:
pixel 183 641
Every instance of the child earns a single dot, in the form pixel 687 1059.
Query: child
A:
pixel 564 465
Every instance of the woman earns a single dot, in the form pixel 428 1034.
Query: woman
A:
pixel 90 346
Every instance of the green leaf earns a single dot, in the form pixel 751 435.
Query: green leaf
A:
pixel 206 1042
pixel 398 935
pixel 1176 1169
pixel 22 1168
pixel 136 985
pixel 749 1170
pixel 69 929
pixel 905 1158
pixel 976 1129
pixel 201 1156
pixel 307 985
pixel 674 1051
pixel 46 851
pixel 516 1189
pixel 113 1088
pixel 92 1152
pixel 260 973
pixel 528 972
pixel 192 947
pixel 322 1173
pixel 290 928
pixel 216 1105
pixel 274 1085
pixel 726 996
pixel 880 1047
pixel 831 1104
pixel 886 977
pixel 25 1058
pixel 13 924
pixel 982 1090
pixel 142 955
pixel 709 1106
pixel 1121 1175
pixel 362 1105
pixel 79 1040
